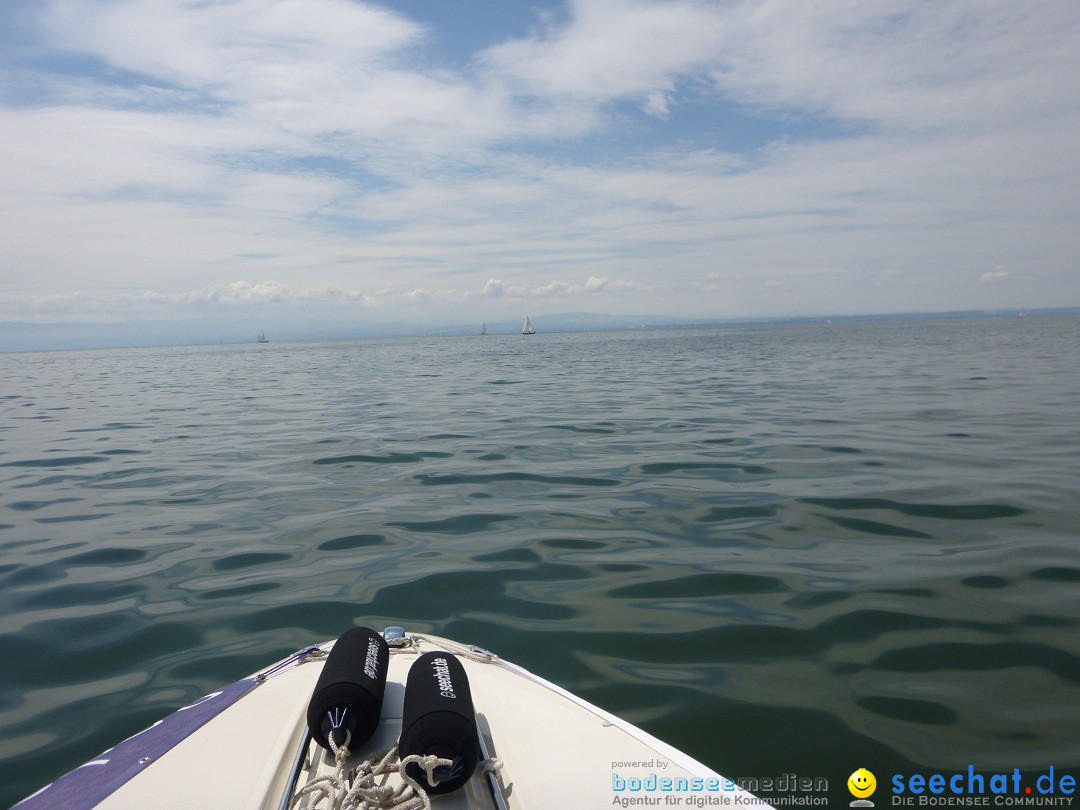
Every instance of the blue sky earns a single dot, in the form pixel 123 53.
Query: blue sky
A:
pixel 464 161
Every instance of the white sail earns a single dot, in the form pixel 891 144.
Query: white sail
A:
pixel 527 328
pixel 483 328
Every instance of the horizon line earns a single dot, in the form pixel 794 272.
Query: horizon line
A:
pixel 314 331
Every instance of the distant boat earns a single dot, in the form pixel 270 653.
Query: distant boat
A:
pixel 527 328
pixel 483 329
pixel 262 338
pixel 1021 312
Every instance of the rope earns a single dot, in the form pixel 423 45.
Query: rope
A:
pixel 299 657
pixel 359 790
pixel 411 644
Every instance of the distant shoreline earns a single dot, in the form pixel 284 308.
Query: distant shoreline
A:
pixel 30 337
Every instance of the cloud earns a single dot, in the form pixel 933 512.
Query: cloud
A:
pixel 553 289
pixel 234 49
pixel 649 148
pixel 908 65
pixel 242 293
pixel 991 277
pixel 306 70
pixel 597 285
pixel 656 104
pixel 610 49
pixel 35 307
pixel 422 295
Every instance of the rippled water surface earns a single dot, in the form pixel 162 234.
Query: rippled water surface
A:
pixel 783 549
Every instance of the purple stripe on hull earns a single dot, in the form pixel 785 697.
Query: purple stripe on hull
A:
pixel 91 783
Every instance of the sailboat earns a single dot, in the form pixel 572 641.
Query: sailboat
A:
pixel 527 328
pixel 483 328
pixel 262 338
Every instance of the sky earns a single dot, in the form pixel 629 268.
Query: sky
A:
pixel 457 160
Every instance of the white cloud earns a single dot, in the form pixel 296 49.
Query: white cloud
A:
pixel 234 48
pixel 303 69
pixel 236 296
pixel 996 275
pixel 247 295
pixel 324 145
pixel 553 289
pixel 240 293
pixel 905 64
pixel 656 104
pixel 596 285
pixel 612 48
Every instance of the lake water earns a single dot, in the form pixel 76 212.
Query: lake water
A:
pixel 784 549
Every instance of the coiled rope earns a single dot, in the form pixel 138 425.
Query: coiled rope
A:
pixel 366 786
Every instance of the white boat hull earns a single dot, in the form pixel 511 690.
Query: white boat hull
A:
pixel 556 750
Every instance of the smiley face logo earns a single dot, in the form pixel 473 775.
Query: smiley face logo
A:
pixel 861 783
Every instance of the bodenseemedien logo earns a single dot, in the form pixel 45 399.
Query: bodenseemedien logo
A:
pixel 862 785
